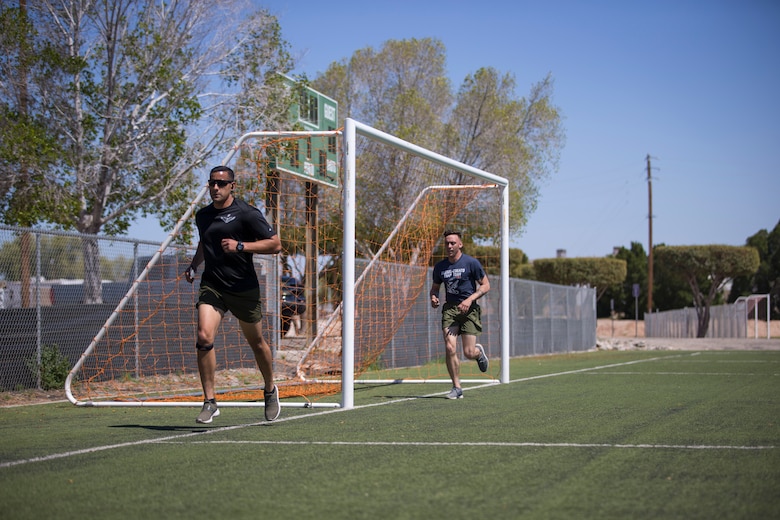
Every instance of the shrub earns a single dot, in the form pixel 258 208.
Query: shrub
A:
pixel 53 368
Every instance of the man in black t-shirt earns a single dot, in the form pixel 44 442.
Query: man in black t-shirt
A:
pixel 230 232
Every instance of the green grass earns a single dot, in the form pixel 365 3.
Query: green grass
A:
pixel 595 435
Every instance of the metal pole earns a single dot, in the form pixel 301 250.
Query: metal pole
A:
pixel 135 315
pixel 755 320
pixel 650 237
pixel 768 317
pixel 348 296
pixel 38 317
pixel 505 320
pixel 635 292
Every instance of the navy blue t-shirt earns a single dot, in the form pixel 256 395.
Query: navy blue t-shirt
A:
pixel 459 279
pixel 239 221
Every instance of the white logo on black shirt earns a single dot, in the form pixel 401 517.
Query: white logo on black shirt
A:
pixel 227 219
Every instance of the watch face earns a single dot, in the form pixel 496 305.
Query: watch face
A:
pixel 240 246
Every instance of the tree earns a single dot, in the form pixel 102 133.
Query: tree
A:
pixel 601 273
pixel 517 138
pixel 402 89
pixel 120 91
pixel 24 132
pixel 671 290
pixel 766 280
pixel 622 293
pixel 25 145
pixel 706 269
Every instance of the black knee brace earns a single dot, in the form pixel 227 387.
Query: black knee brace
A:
pixel 203 348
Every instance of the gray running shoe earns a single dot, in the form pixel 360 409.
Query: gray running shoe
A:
pixel 208 412
pixel 272 407
pixel 455 393
pixel 482 360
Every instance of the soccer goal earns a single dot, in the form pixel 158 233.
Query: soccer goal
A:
pixel 435 193
pixel 361 215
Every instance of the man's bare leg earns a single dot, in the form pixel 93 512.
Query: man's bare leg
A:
pixel 209 319
pixel 451 346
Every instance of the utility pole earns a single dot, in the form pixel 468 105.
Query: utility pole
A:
pixel 650 237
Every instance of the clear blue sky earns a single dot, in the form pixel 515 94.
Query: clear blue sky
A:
pixel 694 84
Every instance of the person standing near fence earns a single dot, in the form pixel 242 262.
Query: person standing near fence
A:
pixel 293 300
pixel 465 282
pixel 231 231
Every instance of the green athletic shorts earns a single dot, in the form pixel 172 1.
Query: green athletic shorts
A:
pixel 469 323
pixel 246 306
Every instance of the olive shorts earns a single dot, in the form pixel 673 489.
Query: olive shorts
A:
pixel 469 323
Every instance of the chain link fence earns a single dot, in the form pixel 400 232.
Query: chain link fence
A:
pixel 53 296
pixel 57 289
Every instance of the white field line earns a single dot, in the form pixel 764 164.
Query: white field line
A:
pixel 678 374
pixel 180 437
pixel 489 444
pixel 581 370
pixel 729 361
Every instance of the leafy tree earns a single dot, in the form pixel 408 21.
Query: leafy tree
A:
pixel 671 290
pixel 402 88
pixel 26 149
pixel 517 138
pixel 766 280
pixel 129 96
pixel 706 269
pixel 622 293
pixel 518 264
pixel 526 271
pixel 601 273
pixel 24 132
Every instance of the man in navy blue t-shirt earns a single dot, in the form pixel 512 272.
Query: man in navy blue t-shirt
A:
pixel 230 232
pixel 464 282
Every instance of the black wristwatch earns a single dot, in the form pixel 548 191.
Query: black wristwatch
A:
pixel 240 247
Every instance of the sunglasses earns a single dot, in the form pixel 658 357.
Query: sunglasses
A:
pixel 218 182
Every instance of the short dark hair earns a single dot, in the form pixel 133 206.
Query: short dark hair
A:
pixel 452 232
pixel 223 169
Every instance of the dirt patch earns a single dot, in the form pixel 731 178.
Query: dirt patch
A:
pixel 31 396
pixel 607 328
pixel 630 335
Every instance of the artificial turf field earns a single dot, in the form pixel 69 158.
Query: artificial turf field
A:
pixel 659 434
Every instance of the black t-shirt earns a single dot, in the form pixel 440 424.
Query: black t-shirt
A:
pixel 239 221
